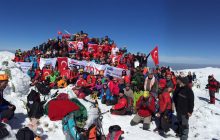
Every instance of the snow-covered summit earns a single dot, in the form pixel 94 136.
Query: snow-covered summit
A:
pixel 204 123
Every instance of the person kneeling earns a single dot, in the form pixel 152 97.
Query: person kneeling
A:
pixel 145 108
pixel 120 107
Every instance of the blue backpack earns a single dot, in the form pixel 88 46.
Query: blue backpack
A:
pixel 69 127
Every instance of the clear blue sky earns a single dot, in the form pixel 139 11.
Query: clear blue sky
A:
pixel 186 31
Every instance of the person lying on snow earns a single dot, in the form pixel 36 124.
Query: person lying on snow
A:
pixel 145 109
pixel 120 107
pixel 6 108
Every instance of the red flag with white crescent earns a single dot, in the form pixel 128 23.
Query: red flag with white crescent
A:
pixel 62 63
pixel 65 73
pixel 155 55
pixel 46 72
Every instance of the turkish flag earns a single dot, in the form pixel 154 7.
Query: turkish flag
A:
pixel 65 73
pixel 46 72
pixel 62 63
pixel 155 55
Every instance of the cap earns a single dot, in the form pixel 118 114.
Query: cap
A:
pixel 146 94
pixel 3 77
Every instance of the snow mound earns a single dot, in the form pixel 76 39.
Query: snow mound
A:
pixel 19 81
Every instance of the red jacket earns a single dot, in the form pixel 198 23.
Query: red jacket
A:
pixel 165 102
pixel 145 107
pixel 81 82
pixel 122 103
pixel 114 89
pixel 213 85
pixel 58 109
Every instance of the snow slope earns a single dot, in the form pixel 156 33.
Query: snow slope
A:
pixel 203 123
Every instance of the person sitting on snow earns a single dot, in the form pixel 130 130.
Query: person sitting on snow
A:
pixel 106 96
pixel 120 107
pixel 6 108
pixel 145 109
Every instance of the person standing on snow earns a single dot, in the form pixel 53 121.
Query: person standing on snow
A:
pixel 184 101
pixel 213 86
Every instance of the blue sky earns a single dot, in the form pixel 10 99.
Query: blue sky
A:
pixel 186 31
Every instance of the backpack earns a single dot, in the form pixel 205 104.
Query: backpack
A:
pixel 129 107
pixel 69 127
pixel 42 88
pixel 34 105
pixel 3 131
pixel 25 134
pixel 115 133
pixel 94 133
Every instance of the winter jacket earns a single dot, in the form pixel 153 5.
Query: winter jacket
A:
pixel 137 95
pixel 81 82
pixel 165 102
pixel 122 103
pixel 213 85
pixel 52 78
pixel 107 94
pixel 114 89
pixel 31 73
pixel 61 83
pixel 146 107
pixel 184 100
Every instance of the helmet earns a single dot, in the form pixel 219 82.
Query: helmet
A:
pixel 4 77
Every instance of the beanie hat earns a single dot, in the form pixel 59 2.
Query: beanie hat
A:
pixel 4 77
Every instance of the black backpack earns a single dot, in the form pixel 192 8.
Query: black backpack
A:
pixel 25 134
pixel 3 131
pixel 34 105
pixel 43 88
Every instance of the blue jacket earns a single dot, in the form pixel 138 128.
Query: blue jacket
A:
pixel 107 93
pixel 31 73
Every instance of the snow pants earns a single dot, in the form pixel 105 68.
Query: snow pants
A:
pixel 183 126
pixel 137 119
pixel 212 96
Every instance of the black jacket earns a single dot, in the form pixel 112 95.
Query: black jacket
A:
pixel 184 100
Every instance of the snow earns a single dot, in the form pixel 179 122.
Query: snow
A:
pixel 203 123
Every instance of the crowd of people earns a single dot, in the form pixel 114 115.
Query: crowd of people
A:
pixel 151 94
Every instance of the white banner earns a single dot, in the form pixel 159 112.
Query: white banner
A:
pixel 115 72
pixel 76 63
pixel 25 66
pixel 95 68
pixel 47 61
